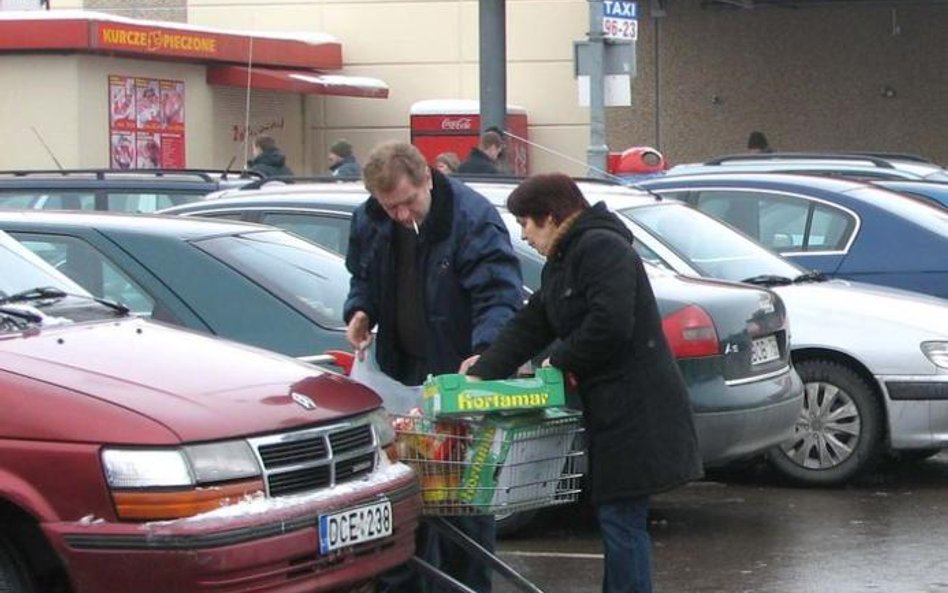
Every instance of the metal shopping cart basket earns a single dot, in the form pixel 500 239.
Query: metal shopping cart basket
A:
pixel 493 464
pixel 488 465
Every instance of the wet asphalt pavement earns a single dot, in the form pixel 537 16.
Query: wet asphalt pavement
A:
pixel 748 531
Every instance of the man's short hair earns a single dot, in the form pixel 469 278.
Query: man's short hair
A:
pixel 341 148
pixel 389 162
pixel 491 139
pixel 265 142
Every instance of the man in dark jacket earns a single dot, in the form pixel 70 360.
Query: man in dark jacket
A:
pixel 268 160
pixel 433 269
pixel 483 157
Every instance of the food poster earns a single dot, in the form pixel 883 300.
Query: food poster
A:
pixel 146 121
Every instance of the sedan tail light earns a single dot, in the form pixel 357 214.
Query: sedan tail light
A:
pixel 690 333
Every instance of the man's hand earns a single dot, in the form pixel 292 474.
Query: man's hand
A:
pixel 468 363
pixel 358 333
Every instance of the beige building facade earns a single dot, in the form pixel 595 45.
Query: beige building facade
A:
pixel 857 76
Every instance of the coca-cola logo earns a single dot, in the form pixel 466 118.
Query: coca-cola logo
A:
pixel 459 123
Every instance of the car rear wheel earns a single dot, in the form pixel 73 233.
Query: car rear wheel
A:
pixel 14 576
pixel 839 431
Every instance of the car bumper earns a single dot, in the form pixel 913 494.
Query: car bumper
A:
pixel 741 421
pixel 917 408
pixel 254 546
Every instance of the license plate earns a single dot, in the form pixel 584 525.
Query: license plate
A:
pixel 354 526
pixel 764 350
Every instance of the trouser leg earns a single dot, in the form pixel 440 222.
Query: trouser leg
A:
pixel 623 525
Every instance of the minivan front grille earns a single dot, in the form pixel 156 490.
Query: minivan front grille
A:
pixel 280 454
pixel 308 460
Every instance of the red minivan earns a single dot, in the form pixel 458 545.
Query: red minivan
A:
pixel 136 457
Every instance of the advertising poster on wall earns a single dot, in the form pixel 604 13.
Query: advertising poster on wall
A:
pixel 146 123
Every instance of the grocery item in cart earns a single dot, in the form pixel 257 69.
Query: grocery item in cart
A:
pixel 517 459
pixel 455 394
pixel 493 463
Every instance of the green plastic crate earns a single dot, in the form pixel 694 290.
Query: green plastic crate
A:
pixel 456 394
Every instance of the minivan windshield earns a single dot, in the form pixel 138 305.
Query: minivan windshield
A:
pixel 310 278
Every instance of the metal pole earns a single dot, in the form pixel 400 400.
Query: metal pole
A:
pixel 492 19
pixel 596 153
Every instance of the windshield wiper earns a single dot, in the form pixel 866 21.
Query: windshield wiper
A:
pixel 39 293
pixel 22 316
pixel 768 280
pixel 811 276
pixel 43 293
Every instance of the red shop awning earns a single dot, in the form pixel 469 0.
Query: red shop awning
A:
pixel 298 81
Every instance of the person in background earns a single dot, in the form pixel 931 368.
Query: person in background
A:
pixel 268 160
pixel 483 158
pixel 757 142
pixel 596 311
pixel 342 161
pixel 434 271
pixel 447 162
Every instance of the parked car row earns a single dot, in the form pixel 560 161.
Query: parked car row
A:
pixel 850 416
pixel 135 456
pixel 119 259
pixel 742 406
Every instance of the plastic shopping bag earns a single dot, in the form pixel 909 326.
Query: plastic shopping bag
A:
pixel 397 397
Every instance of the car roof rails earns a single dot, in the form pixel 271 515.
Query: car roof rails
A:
pixel 100 174
pixel 489 177
pixel 293 179
pixel 803 156
pixel 897 156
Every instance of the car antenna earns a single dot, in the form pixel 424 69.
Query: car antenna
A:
pixel 49 150
pixel 230 164
pixel 247 106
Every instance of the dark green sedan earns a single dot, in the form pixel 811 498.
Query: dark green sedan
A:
pixel 253 284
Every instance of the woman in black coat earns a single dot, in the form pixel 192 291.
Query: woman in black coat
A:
pixel 596 307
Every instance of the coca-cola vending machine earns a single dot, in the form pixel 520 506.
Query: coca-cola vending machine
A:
pixel 453 125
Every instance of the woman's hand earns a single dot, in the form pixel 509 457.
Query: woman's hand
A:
pixel 358 334
pixel 468 363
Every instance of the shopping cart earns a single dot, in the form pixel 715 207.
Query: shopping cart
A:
pixel 489 465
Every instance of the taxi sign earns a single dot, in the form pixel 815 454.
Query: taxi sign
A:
pixel 620 20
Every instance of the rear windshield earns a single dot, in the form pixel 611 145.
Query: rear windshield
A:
pixel 928 216
pixel 712 248
pixel 309 277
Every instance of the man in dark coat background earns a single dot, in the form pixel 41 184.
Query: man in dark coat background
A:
pixel 268 160
pixel 433 269
pixel 342 161
pixel 483 158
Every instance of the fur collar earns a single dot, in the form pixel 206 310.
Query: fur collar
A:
pixel 561 231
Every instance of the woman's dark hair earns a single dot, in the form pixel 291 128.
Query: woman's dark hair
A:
pixel 550 193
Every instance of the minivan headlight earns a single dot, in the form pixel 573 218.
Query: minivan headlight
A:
pixel 171 483
pixel 937 352
pixel 217 462
pixel 146 468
